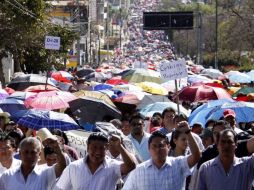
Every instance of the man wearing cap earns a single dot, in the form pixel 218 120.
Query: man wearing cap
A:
pixel 229 116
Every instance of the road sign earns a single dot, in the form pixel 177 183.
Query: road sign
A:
pixel 175 69
pixel 52 42
pixel 167 20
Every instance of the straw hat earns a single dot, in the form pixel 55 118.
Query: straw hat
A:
pixel 44 134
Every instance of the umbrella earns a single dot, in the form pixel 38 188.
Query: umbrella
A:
pixel 244 111
pixel 150 99
pixel 170 85
pixel 150 109
pixel 61 76
pixel 130 98
pixel 197 93
pixel 240 78
pixel 142 75
pixel 23 81
pixel 84 72
pixel 92 110
pixel 37 119
pixel 153 88
pixel 96 95
pixel 50 100
pixel 12 105
pixel 244 91
pixel 3 94
pixel 21 95
pixel 251 74
pixel 102 87
pixel 198 115
pixel 128 87
pixel 116 81
pixel 9 90
pixel 197 79
pixel 213 73
pixel 41 88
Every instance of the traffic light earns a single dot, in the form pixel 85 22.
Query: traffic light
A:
pixel 167 20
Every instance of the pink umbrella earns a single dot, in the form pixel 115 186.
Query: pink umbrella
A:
pixel 3 94
pixel 130 98
pixel 50 100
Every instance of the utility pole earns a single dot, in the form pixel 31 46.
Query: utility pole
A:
pixel 216 36
pixel 79 26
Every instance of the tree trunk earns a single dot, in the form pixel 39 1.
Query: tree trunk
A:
pixel 2 79
pixel 16 58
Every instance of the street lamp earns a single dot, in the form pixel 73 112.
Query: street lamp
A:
pixel 216 35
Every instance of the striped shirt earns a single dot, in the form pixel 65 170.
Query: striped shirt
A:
pixel 77 176
pixel 170 176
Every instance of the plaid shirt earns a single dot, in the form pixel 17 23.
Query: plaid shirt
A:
pixel 170 176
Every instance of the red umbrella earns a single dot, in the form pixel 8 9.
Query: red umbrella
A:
pixel 201 93
pixel 41 88
pixel 62 76
pixel 116 81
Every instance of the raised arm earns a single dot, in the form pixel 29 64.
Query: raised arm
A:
pixel 195 153
pixel 128 160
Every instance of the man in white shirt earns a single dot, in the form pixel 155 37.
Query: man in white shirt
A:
pixel 162 172
pixel 30 176
pixel 139 138
pixel 95 171
pixel 7 149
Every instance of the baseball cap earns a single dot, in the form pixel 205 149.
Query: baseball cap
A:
pixel 228 112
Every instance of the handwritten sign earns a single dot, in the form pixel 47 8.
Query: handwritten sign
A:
pixel 171 70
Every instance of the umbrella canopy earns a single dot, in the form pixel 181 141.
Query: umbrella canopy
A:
pixel 116 81
pixel 150 99
pixel 244 111
pixel 153 88
pixel 142 75
pixel 50 100
pixel 23 81
pixel 62 76
pixel 22 95
pixel 92 110
pixel 3 94
pixel 198 79
pixel 128 87
pixel 170 85
pixel 213 73
pixel 244 91
pixel 37 119
pixel 240 78
pixel 198 115
pixel 201 93
pixel 130 98
pixel 41 88
pixel 150 109
pixel 251 74
pixel 84 72
pixel 12 105
pixel 96 95
pixel 102 87
pixel 9 90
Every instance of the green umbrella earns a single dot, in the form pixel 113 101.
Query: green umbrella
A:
pixel 244 91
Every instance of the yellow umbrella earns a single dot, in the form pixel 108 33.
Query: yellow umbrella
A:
pixel 95 94
pixel 232 90
pixel 153 88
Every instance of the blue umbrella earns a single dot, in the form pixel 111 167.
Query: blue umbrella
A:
pixel 150 109
pixel 199 114
pixel 37 119
pixel 240 78
pixel 102 87
pixel 244 111
pixel 12 105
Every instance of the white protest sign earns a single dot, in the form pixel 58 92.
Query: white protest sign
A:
pixel 52 42
pixel 77 140
pixel 171 70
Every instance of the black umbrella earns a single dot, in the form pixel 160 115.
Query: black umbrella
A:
pixel 84 72
pixel 150 99
pixel 92 110
pixel 24 81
